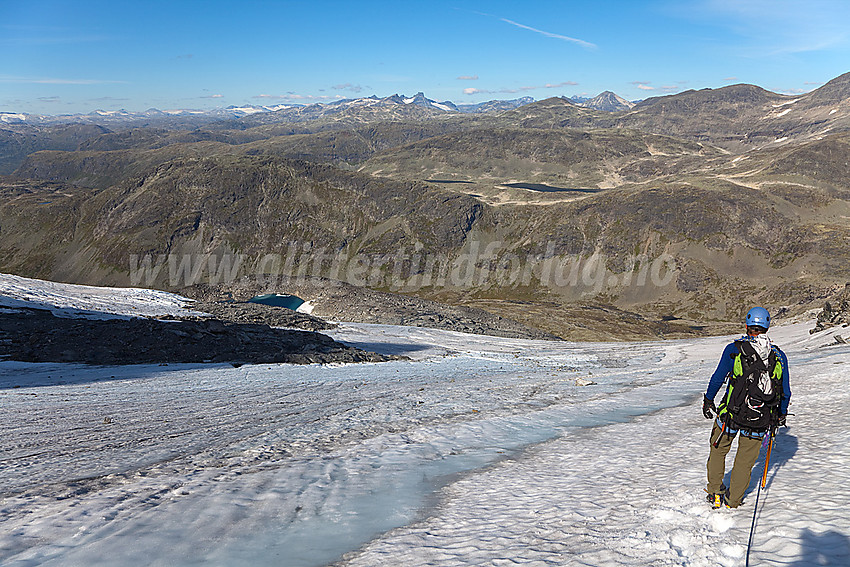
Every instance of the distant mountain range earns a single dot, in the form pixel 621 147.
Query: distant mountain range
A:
pixel 742 193
pixel 418 100
pixel 606 101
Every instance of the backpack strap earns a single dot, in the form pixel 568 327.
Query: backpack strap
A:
pixel 751 357
pixel 732 377
pixel 776 370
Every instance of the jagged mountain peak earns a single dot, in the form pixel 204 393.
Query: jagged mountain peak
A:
pixel 609 102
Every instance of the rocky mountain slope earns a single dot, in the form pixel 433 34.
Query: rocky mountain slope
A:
pixel 513 163
pixel 665 219
pixel 737 118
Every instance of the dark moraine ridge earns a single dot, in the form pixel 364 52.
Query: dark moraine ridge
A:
pixel 33 335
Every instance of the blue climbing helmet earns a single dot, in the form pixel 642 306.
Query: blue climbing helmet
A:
pixel 758 317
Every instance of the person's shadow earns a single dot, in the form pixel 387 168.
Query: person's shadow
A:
pixel 827 548
pixel 784 449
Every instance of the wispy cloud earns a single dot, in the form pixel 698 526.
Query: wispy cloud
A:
pixel 472 91
pixel 555 86
pixel 55 81
pixel 643 85
pixel 213 96
pixel 108 99
pixel 297 97
pixel 730 79
pixel 581 42
pixel 468 78
pixel 809 87
pixel 348 87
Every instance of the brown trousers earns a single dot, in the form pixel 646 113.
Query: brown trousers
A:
pixel 748 452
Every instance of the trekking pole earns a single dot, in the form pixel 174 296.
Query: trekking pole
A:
pixel 769 440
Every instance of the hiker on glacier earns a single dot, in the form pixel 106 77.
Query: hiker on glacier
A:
pixel 756 400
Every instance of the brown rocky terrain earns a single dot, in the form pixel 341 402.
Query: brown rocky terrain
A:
pixel 835 312
pixel 340 301
pixel 739 194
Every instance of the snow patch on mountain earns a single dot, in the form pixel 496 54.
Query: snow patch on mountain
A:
pixel 12 117
pixel 785 103
pixel 183 112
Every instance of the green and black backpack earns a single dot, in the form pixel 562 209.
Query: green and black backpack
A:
pixel 755 390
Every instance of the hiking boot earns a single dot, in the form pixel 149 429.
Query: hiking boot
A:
pixel 716 500
pixel 726 502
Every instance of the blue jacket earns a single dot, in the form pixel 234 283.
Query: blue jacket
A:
pixel 724 370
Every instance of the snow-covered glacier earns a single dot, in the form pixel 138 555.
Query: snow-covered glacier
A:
pixel 475 451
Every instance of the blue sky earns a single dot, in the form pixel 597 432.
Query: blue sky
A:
pixel 59 57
